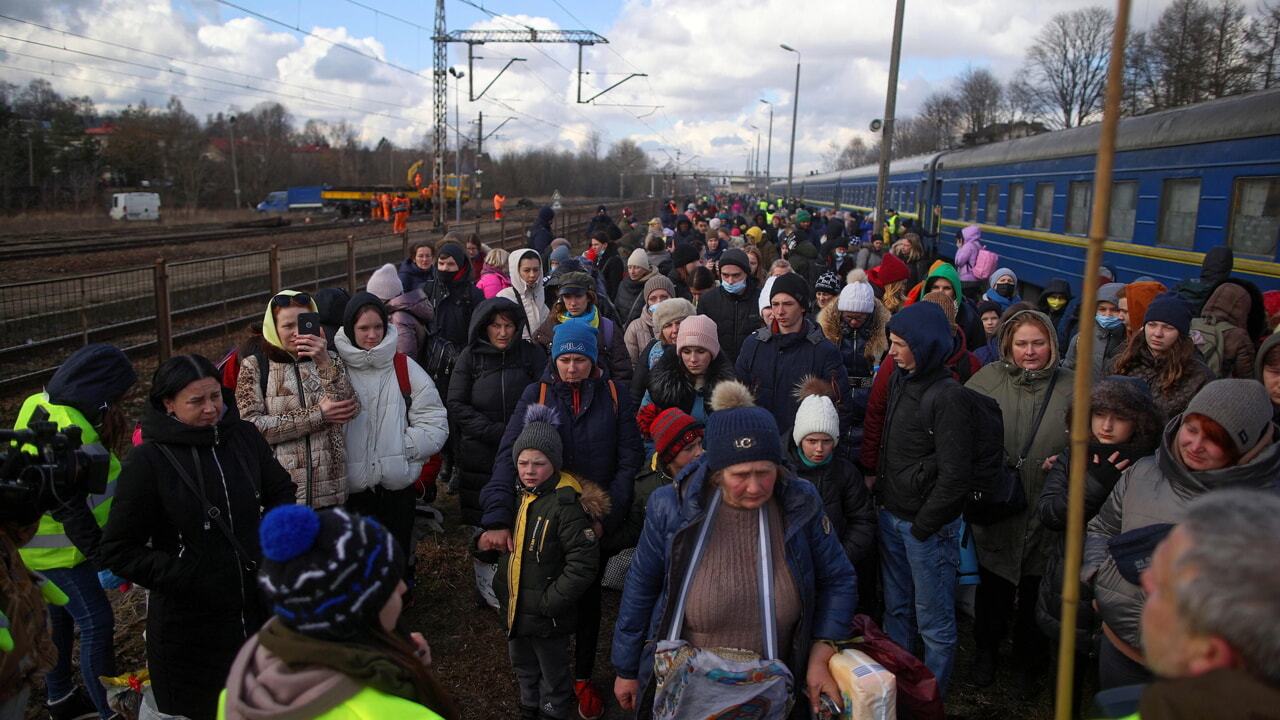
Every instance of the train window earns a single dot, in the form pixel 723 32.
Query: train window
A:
pixel 992 213
pixel 973 202
pixel 1124 210
pixel 1079 195
pixel 1255 216
pixel 962 205
pixel 1013 213
pixel 1179 204
pixel 1043 219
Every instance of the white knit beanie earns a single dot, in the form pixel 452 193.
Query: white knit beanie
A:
pixel 385 283
pixel 857 298
pixel 816 414
pixel 764 293
pixel 639 258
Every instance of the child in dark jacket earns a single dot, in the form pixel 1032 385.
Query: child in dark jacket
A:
pixel 554 559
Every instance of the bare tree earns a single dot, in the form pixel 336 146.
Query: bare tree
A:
pixel 1178 43
pixel 1139 88
pixel 1263 40
pixel 1228 70
pixel 979 95
pixel 943 119
pixel 1065 74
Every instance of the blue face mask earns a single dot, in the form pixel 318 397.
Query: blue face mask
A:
pixel 653 307
pixel 734 288
pixel 839 255
pixel 1109 322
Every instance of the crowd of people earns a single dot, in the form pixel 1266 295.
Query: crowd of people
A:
pixel 756 419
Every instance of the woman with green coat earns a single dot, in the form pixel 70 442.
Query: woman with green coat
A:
pixel 1012 553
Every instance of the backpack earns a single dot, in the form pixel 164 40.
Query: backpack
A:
pixel 1210 339
pixel 986 263
pixel 996 491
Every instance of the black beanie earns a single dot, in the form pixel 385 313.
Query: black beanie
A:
pixel 795 286
pixel 355 306
pixel 1170 308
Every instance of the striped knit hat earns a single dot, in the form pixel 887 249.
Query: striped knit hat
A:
pixel 327 573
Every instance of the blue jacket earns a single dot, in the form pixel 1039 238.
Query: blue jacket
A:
pixel 601 445
pixel 773 365
pixel 827 583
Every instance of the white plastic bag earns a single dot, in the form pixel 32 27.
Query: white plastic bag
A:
pixel 868 690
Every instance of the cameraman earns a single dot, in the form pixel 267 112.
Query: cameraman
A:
pixel 85 391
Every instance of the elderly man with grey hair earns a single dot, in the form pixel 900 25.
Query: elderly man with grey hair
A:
pixel 1211 622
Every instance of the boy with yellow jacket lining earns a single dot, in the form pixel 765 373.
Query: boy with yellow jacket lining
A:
pixel 554 561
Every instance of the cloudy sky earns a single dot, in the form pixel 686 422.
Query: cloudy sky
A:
pixel 708 62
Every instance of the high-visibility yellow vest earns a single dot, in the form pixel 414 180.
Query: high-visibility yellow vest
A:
pixel 51 548
pixel 368 704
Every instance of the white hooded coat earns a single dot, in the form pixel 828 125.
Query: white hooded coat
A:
pixel 382 448
pixel 531 298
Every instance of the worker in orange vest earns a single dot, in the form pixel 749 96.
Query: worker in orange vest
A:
pixel 375 206
pixel 498 201
pixel 400 207
pixel 386 207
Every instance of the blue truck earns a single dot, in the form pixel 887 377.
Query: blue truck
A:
pixel 294 199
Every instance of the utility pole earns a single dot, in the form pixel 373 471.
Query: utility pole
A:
pixel 768 161
pixel 795 112
pixel 235 173
pixel 440 86
pixel 890 102
pixel 475 186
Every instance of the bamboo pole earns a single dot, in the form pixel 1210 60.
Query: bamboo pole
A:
pixel 1080 425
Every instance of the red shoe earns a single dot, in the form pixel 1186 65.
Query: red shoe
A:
pixel 590 705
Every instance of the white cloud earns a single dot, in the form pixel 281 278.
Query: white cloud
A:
pixel 708 64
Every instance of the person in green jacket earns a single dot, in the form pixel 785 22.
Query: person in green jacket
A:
pixel 86 392
pixel 555 560
pixel 332 650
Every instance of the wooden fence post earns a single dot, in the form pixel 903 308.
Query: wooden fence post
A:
pixel 164 325
pixel 273 269
pixel 351 263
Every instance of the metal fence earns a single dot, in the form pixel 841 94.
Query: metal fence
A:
pixel 151 311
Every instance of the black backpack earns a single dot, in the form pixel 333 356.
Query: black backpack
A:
pixel 996 492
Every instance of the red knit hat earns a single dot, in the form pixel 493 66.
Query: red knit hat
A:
pixel 890 270
pixel 672 431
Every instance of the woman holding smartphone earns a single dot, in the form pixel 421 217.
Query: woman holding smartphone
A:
pixel 302 400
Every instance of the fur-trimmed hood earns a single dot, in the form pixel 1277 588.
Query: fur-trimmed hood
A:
pixel 671 386
pixel 595 500
pixel 877 339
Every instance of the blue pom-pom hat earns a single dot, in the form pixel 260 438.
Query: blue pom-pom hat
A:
pixel 327 573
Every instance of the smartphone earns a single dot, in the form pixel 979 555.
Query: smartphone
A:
pixel 309 324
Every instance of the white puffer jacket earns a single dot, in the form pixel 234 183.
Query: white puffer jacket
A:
pixel 382 449
pixel 531 297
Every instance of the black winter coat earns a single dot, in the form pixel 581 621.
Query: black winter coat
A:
pixel 773 365
pixel 600 439
pixel 454 302
pixel 736 316
pixel 925 478
pixel 628 301
pixel 1051 508
pixel 483 391
pixel 204 603
pixel 670 385
pixel 846 501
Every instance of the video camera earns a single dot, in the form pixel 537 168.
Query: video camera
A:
pixel 61 468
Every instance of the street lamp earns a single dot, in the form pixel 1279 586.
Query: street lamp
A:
pixel 768 160
pixel 795 107
pixel 457 153
pixel 235 174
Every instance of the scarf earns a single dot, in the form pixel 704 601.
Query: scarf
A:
pixel 591 318
pixel 365 665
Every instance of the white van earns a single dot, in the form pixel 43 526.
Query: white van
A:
pixel 135 206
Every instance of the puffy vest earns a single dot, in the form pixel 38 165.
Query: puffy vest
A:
pixel 51 548
pixel 368 704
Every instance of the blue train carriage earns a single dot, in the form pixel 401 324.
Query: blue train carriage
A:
pixel 1185 180
pixel 910 189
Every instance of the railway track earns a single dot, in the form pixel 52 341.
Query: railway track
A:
pixel 43 245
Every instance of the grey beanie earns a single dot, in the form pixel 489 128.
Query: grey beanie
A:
pixel 1108 293
pixel 669 311
pixel 1241 407
pixel 560 254
pixel 540 434
pixel 658 282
